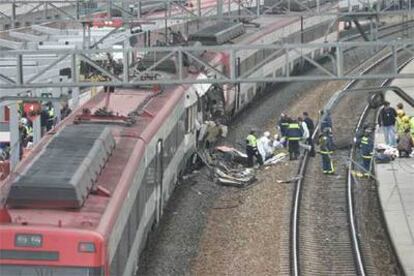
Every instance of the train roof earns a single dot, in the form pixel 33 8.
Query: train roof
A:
pixel 98 210
pixel 219 33
pixel 262 26
pixel 66 170
pixel 257 28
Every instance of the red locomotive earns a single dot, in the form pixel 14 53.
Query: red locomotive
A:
pixel 84 200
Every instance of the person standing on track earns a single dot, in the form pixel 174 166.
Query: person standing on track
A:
pixel 326 120
pixel 311 128
pixel 282 125
pixel 263 146
pixel 251 149
pixel 366 147
pixel 326 149
pixel 305 134
pixel 294 134
pixel 386 120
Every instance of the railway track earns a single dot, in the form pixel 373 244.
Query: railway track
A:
pixel 383 31
pixel 324 232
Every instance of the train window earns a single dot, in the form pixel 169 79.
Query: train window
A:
pixel 181 129
pixel 123 251
pixel 191 117
pixel 133 220
pixel 250 93
pixel 150 173
pixel 279 72
pixel 114 263
pixel 49 270
pixel 267 52
pixel 141 200
pixel 170 146
pixel 65 72
pixel 259 56
pixel 250 62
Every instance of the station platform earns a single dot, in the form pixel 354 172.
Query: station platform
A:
pixel 396 187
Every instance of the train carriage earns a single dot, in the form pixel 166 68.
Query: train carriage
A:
pixel 99 225
pixel 265 62
pixel 102 230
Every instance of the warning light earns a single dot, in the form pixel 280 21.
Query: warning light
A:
pixel 88 247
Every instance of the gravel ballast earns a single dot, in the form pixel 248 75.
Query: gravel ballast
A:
pixel 212 230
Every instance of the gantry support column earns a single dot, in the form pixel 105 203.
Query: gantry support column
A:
pixel 13 15
pixel 75 90
pixel 220 9
pixel 56 107
pixel 339 62
pixel 2 117
pixel 37 130
pixel 14 136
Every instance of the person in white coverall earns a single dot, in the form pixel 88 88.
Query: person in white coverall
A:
pixel 305 135
pixel 277 142
pixel 264 147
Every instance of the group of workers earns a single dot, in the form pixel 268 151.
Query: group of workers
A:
pixel 297 133
pixel 262 148
pixel 294 133
pixel 47 121
pixel 398 128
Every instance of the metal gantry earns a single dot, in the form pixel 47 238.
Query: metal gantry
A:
pixel 29 11
pixel 22 51
pixel 132 75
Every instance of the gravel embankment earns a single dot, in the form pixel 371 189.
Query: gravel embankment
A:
pixel 193 206
pixel 208 229
pixel 252 239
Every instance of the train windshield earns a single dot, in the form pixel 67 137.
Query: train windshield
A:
pixel 20 270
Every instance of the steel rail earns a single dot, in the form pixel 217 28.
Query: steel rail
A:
pixel 294 234
pixel 381 29
pixel 350 199
pixel 350 178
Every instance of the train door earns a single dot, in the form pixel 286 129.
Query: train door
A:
pixel 158 181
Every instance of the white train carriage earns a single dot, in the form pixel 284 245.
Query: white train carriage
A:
pixel 268 62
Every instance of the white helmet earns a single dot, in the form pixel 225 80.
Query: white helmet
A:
pixel 266 134
pixel 23 121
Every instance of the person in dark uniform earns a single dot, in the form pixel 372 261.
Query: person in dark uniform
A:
pixel 386 120
pixel 44 118
pixel 51 116
pixel 326 120
pixel 294 134
pixel 251 149
pixel 65 111
pixel 311 127
pixel 366 149
pixel 326 149
pixel 282 125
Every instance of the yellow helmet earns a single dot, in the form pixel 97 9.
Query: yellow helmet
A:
pixel 400 113
pixel 406 119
